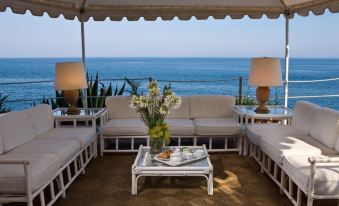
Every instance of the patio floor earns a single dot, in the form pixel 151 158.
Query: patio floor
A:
pixel 237 181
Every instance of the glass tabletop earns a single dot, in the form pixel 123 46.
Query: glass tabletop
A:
pixel 62 112
pixel 273 111
pixel 154 163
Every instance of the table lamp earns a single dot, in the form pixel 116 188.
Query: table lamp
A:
pixel 70 77
pixel 265 72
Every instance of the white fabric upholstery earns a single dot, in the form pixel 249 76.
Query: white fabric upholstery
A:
pixel 302 116
pixel 118 108
pixel 15 129
pixel 213 106
pixel 255 132
pixel 133 10
pixel 180 126
pixel 183 112
pixel 337 144
pixel 83 135
pixel 326 176
pixel 41 117
pixel 41 167
pixel 65 149
pixel 1 146
pixel 216 126
pixel 277 146
pixel 124 127
pixel 325 126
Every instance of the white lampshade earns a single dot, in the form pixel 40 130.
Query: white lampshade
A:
pixel 70 76
pixel 265 72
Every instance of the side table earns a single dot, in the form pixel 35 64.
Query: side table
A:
pixel 88 117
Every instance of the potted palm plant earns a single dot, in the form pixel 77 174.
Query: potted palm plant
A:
pixel 154 108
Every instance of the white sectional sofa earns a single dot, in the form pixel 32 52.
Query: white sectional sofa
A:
pixel 197 117
pixel 36 158
pixel 304 153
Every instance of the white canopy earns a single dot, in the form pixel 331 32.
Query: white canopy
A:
pixel 150 10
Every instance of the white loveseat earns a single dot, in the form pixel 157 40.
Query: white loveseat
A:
pixel 34 155
pixel 304 153
pixel 197 117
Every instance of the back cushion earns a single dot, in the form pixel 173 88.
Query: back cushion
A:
pixel 337 144
pixel 1 146
pixel 325 126
pixel 183 112
pixel 118 108
pixel 302 116
pixel 15 129
pixel 41 118
pixel 211 106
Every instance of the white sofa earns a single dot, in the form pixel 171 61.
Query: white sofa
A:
pixel 197 117
pixel 34 155
pixel 304 153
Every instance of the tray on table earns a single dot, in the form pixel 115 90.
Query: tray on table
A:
pixel 176 164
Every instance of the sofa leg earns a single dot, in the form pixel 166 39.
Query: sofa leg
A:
pixel 62 185
pixel 245 148
pixel 241 144
pixel 102 147
pixel 309 201
pixel 95 148
pixel 263 162
pixel 282 182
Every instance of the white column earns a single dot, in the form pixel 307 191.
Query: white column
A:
pixel 287 57
pixel 83 55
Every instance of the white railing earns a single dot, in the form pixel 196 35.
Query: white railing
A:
pixel 314 96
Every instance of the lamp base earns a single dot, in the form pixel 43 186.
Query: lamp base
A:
pixel 72 98
pixel 263 95
pixel 262 110
pixel 73 111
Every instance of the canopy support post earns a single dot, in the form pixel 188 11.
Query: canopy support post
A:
pixel 287 57
pixel 83 56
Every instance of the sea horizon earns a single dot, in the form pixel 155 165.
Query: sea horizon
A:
pixel 171 68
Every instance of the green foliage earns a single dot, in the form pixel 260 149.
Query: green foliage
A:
pixel 135 85
pixel 246 100
pixel 3 104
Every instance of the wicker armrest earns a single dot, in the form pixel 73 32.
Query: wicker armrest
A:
pixel 14 162
pixel 323 159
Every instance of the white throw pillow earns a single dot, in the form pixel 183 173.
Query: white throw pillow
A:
pixel 15 129
pixel 302 116
pixel 41 117
pixel 337 144
pixel 325 126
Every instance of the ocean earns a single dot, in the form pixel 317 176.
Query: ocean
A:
pixel 170 69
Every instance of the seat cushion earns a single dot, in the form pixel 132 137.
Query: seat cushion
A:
pixel 118 108
pixel 216 126
pixel 15 129
pixel 278 146
pixel 124 127
pixel 211 106
pixel 183 112
pixel 302 116
pixel 41 117
pixel 326 176
pixel 325 126
pixel 65 149
pixel 83 135
pixel 41 167
pixel 255 132
pixel 180 126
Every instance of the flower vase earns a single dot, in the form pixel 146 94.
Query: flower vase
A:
pixel 155 145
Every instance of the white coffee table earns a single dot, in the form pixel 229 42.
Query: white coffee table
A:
pixel 200 168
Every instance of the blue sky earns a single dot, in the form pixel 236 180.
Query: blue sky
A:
pixel 29 36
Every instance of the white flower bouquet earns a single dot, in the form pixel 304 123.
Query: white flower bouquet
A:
pixel 154 108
